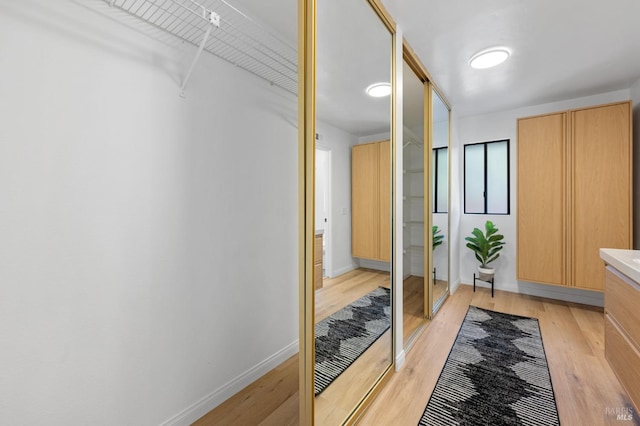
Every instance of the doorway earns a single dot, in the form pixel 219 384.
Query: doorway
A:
pixel 323 206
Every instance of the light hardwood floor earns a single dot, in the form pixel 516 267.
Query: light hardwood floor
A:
pixel 573 336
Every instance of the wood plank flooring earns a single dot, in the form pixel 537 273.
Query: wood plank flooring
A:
pixel 573 336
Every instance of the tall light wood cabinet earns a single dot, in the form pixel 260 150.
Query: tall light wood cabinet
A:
pixel 574 193
pixel 542 208
pixel 371 201
pixel 602 197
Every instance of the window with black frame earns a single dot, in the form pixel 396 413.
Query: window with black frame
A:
pixel 440 179
pixel 486 178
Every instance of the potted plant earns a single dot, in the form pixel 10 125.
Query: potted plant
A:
pixel 486 248
pixel 438 238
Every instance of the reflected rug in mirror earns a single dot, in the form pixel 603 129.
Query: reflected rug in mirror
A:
pixel 496 374
pixel 342 337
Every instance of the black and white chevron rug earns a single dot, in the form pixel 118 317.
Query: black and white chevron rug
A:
pixel 345 335
pixel 496 374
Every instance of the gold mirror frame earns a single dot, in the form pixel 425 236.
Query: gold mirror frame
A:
pixel 306 193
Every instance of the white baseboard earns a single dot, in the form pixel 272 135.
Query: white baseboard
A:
pixel 454 286
pixel 343 270
pixel 400 360
pixel 218 396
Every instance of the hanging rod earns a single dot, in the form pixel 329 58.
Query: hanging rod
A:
pixel 239 39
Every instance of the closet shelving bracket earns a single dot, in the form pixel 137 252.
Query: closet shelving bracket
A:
pixel 229 33
pixel 214 21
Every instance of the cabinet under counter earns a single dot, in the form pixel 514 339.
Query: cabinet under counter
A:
pixel 622 318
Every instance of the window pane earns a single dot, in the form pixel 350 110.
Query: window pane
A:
pixel 434 179
pixel 497 178
pixel 474 178
pixel 443 174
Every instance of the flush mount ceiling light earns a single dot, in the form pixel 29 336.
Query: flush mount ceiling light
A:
pixel 379 90
pixel 489 57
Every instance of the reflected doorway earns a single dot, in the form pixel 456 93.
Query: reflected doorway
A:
pixel 323 207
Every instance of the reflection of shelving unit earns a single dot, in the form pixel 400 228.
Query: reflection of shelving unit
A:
pixel 413 199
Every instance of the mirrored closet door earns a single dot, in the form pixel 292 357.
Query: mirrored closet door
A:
pixel 347 337
pixel 439 200
pixel 416 284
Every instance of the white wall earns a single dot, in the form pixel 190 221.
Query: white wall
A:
pixel 148 249
pixel 340 143
pixel 502 125
pixel 635 96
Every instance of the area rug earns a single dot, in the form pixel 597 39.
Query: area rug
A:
pixel 345 335
pixel 496 374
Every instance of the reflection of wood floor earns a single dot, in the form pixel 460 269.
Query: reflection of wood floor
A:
pixel 336 293
pixel 413 306
pixel 439 289
pixel 336 402
pixel 573 335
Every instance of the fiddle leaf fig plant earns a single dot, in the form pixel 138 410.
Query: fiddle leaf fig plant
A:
pixel 486 246
pixel 438 238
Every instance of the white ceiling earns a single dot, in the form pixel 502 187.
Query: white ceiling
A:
pixel 349 58
pixel 561 49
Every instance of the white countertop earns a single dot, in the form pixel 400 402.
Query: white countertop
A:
pixel 625 261
pixel 319 231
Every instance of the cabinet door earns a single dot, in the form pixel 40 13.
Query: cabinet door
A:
pixel 601 188
pixel 384 204
pixel 541 199
pixel 364 201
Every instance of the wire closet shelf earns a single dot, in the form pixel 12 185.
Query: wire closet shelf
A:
pixel 220 28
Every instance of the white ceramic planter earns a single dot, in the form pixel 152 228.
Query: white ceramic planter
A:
pixel 486 273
